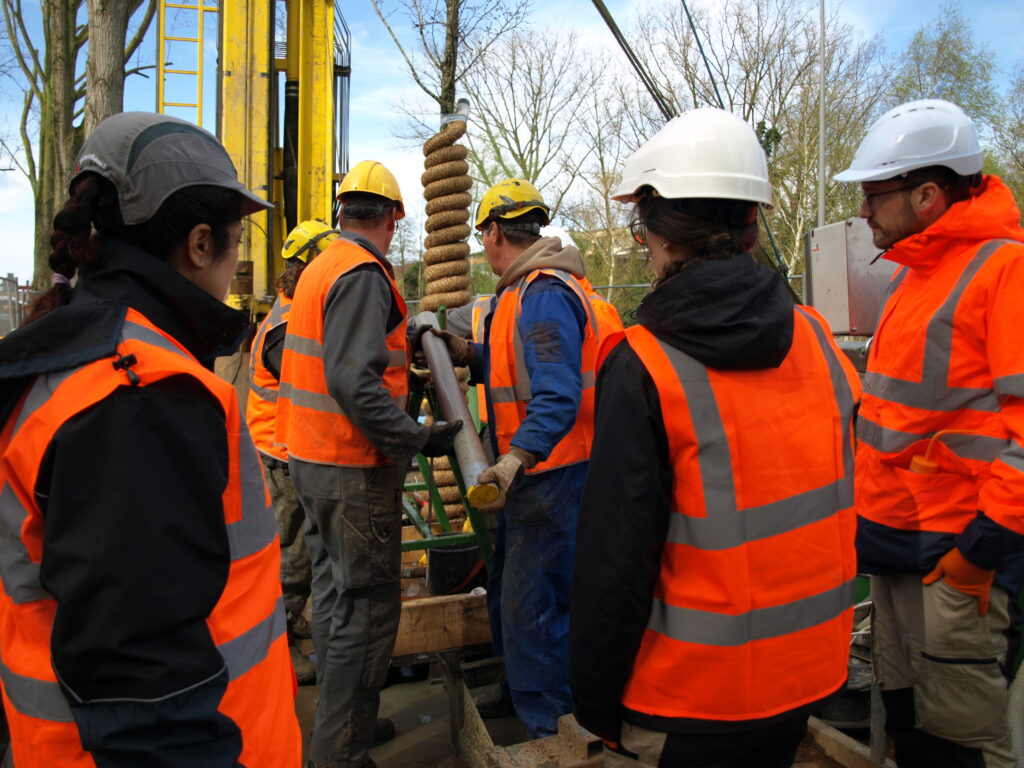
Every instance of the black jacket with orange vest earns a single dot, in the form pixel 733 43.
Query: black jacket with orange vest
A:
pixel 141 607
pixel 714 558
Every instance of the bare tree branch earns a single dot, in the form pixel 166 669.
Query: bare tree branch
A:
pixel 140 32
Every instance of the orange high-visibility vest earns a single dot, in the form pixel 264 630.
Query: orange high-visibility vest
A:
pixel 247 624
pixel 309 420
pixel 509 383
pixel 933 367
pixel 608 320
pixel 261 406
pixel 752 611
pixel 481 305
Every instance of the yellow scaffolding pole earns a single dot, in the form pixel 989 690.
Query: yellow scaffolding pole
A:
pixel 316 109
pixel 245 125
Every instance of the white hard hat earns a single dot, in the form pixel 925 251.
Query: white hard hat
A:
pixel 552 231
pixel 703 153
pixel 916 135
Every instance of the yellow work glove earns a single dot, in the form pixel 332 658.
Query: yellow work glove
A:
pixel 965 576
pixel 504 472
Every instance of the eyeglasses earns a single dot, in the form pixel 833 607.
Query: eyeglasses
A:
pixel 479 234
pixel 869 197
pixel 639 232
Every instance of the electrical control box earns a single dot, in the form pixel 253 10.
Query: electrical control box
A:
pixel 846 281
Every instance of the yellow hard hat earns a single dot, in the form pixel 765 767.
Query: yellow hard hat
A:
pixel 307 240
pixel 372 177
pixel 510 198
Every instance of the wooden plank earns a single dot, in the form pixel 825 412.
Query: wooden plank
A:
pixel 840 747
pixel 434 624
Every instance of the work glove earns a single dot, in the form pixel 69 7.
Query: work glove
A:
pixel 419 378
pixel 963 575
pixel 440 441
pixel 503 474
pixel 460 350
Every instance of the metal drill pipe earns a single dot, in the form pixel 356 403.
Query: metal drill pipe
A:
pixel 452 403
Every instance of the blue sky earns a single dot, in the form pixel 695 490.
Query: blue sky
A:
pixel 378 83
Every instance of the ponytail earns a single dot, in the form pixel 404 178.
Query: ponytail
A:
pixel 72 241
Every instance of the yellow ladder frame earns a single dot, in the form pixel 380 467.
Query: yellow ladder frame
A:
pixel 201 9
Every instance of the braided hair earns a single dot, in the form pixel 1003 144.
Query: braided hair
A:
pixel 92 213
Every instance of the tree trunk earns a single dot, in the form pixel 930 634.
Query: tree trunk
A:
pixel 58 139
pixel 449 65
pixel 104 65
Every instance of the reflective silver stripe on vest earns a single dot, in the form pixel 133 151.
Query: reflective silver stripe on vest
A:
pixel 258 527
pixel 725 526
pixel 396 358
pixel 271 322
pixel 521 391
pixel 688 625
pixel 19 574
pixel 315 401
pixel 42 390
pixel 303 346
pixel 137 332
pixel 36 698
pixel 843 393
pixel 252 646
pixel 1010 386
pixel 503 395
pixel 1014 456
pixel 885 440
pixel 932 393
pixel 270 395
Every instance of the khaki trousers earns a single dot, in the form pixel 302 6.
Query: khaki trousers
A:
pixel 931 640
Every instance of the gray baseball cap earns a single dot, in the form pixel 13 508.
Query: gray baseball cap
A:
pixel 148 157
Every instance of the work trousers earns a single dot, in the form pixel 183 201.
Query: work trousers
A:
pixel 528 589
pixel 354 538
pixel 296 572
pixel 763 746
pixel 940 666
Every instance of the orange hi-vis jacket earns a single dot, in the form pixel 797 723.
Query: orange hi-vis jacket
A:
pixel 608 320
pixel 509 385
pixel 309 420
pixel 481 308
pixel 947 355
pixel 247 624
pixel 752 611
pixel 261 406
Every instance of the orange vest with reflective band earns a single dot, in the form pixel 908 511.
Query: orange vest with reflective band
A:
pixel 261 406
pixel 309 420
pixel 509 384
pixel 931 367
pixel 481 305
pixel 608 320
pixel 247 624
pixel 753 607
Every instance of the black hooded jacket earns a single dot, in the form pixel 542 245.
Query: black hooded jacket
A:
pixel 135 549
pixel 733 314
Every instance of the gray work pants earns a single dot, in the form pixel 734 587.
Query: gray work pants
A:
pixel 296 574
pixel 936 658
pixel 354 539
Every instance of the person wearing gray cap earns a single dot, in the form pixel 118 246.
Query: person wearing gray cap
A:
pixel 141 622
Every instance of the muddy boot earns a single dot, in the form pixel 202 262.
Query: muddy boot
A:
pixel 383 730
pixel 305 671
pixel 497 703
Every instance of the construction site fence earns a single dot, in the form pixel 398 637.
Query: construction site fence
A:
pixel 14 302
